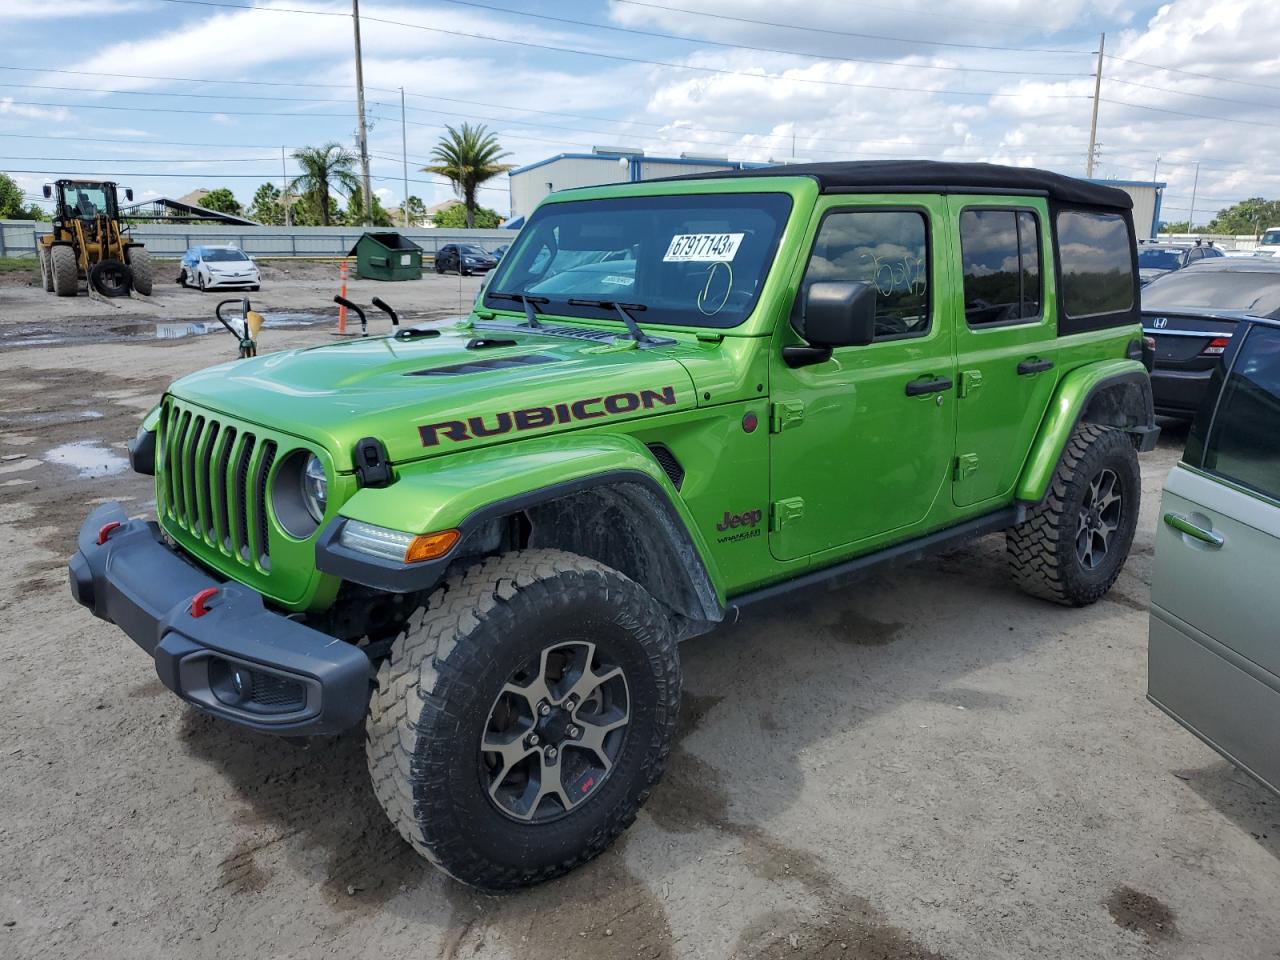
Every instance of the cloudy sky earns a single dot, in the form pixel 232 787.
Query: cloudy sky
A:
pixel 169 95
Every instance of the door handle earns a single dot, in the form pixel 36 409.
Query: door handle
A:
pixel 1028 368
pixel 918 388
pixel 1184 525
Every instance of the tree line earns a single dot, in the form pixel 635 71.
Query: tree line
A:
pixel 467 156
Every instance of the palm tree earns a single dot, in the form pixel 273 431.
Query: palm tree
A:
pixel 468 157
pixel 330 166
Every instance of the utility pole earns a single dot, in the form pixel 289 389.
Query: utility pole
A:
pixel 404 155
pixel 1191 220
pixel 362 133
pixel 1155 171
pixel 284 190
pixel 1097 96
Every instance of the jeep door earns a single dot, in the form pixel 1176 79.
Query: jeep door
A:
pixel 1006 340
pixel 1214 653
pixel 861 444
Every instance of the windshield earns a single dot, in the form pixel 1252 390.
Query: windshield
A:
pixel 1271 237
pixel 1158 259
pixel 471 251
pixel 696 260
pixel 86 202
pixel 1257 293
pixel 213 256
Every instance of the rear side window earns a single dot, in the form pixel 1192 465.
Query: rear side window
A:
pixel 1244 444
pixel 1000 252
pixel 888 249
pixel 1095 260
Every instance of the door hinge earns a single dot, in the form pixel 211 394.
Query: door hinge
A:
pixel 970 382
pixel 784 512
pixel 786 413
pixel 966 466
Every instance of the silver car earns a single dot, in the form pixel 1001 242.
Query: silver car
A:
pixel 1214 655
pixel 218 267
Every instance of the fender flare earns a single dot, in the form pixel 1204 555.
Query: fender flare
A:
pixel 468 491
pixel 1126 387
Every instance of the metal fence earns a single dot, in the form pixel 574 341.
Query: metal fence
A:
pixel 18 238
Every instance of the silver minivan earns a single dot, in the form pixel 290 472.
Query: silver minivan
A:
pixel 1214 655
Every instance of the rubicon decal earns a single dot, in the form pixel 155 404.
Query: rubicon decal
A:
pixel 536 418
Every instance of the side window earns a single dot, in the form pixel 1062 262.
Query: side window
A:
pixel 1196 254
pixel 1244 445
pixel 1000 255
pixel 1096 264
pixel 888 249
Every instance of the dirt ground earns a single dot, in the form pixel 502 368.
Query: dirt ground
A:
pixel 925 764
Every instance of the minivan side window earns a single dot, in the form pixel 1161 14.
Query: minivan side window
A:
pixel 1000 256
pixel 1096 263
pixel 888 249
pixel 1244 444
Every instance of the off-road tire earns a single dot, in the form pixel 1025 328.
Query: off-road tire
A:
pixel 65 271
pixel 111 278
pixel 1042 549
pixel 143 271
pixel 436 690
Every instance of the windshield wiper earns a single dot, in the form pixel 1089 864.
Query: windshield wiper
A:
pixel 623 311
pixel 530 310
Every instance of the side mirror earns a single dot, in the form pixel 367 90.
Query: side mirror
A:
pixel 128 194
pixel 48 192
pixel 839 314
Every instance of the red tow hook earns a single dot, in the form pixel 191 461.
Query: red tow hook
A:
pixel 104 531
pixel 198 608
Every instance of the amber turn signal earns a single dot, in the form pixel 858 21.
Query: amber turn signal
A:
pixel 429 546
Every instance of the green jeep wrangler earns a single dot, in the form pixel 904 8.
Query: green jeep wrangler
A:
pixel 673 400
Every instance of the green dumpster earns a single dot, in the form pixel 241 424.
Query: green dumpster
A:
pixel 387 256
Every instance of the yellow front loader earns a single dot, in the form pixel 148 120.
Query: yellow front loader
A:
pixel 87 243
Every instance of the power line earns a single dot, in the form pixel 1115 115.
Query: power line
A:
pixel 206 80
pixel 140 143
pixel 758 49
pixel 1185 93
pixel 1190 73
pixel 775 78
pixel 846 33
pixel 146 159
pixel 228 113
pixel 1181 113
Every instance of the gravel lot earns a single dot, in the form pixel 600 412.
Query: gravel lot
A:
pixel 924 764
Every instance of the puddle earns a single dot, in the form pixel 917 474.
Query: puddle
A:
pixel 178 329
pixel 89 457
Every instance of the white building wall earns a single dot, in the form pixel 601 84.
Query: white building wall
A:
pixel 530 186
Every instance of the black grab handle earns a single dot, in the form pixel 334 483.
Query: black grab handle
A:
pixel 918 388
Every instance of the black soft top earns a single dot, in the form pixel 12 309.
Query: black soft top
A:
pixel 911 176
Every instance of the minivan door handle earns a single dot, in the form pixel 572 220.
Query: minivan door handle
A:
pixel 1195 531
pixel 918 388
pixel 1033 366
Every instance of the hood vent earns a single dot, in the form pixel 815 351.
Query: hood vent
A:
pixel 484 366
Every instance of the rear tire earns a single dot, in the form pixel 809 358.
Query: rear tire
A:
pixel 143 271
pixel 111 278
pixel 65 271
pixel 1072 545
pixel 474 668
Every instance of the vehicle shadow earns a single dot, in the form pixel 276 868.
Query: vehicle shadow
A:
pixel 1241 799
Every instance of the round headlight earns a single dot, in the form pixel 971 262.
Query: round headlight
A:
pixel 315 488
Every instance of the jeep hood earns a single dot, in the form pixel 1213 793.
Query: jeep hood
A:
pixel 429 396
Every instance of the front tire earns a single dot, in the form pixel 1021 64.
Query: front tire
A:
pixel 1072 545
pixel 65 271
pixel 46 273
pixel 523 717
pixel 143 271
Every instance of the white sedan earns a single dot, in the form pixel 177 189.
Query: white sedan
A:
pixel 210 268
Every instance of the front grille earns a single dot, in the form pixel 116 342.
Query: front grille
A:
pixel 214 481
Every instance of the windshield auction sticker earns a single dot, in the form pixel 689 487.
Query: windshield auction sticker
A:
pixel 703 247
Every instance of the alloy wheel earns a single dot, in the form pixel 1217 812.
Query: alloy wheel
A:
pixel 554 732
pixel 1099 519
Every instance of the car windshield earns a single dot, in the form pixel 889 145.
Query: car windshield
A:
pixel 1150 259
pixel 1272 237
pixel 691 260
pixel 214 256
pixel 1257 293
pixel 470 251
